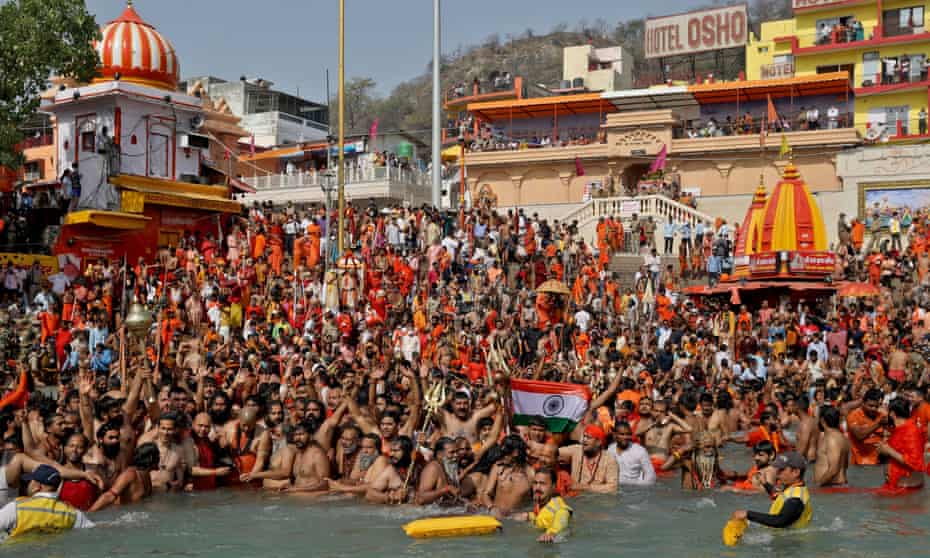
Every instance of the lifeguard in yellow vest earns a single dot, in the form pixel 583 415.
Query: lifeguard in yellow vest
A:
pixel 791 508
pixel 42 511
pixel 551 514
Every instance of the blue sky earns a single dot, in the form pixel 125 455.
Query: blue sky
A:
pixel 292 42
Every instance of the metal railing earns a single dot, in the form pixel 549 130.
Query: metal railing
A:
pixel 353 175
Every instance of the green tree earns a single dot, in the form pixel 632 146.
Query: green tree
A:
pixel 360 103
pixel 39 39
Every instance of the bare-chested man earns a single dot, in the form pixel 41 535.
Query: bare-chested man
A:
pixel 463 421
pixel 808 435
pixel 170 472
pixel 361 462
pixel 135 483
pixel 657 433
pixel 832 450
pixel 311 465
pixel 508 483
pixel 391 485
pixel 592 470
pixel 439 481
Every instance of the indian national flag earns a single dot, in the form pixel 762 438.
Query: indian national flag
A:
pixel 561 405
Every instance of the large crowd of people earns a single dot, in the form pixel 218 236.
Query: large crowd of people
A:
pixel 387 375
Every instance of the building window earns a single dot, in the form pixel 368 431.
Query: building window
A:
pixel 88 140
pixel 903 21
pixel 763 50
pixel 889 121
pixel 871 69
pixel 32 171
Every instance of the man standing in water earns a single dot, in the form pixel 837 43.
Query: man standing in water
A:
pixel 439 481
pixel 904 449
pixel 592 470
pixel 134 484
pixel 170 472
pixel 462 421
pixel 366 464
pixel 389 487
pixel 792 506
pixel 553 514
pixel 508 482
pixel 311 466
pixel 832 450
pixel 42 511
pixel 633 462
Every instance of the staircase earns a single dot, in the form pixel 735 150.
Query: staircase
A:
pixel 660 208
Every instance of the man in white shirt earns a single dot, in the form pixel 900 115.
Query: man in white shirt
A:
pixel 41 512
pixel 633 462
pixel 582 319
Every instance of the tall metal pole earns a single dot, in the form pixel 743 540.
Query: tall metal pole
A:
pixel 342 123
pixel 437 115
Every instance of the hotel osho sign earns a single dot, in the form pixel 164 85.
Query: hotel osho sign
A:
pixel 698 31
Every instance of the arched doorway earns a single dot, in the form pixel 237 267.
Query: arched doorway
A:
pixel 631 176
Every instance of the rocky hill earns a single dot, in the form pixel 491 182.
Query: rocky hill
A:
pixel 536 57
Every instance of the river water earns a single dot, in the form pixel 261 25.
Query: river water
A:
pixel 661 522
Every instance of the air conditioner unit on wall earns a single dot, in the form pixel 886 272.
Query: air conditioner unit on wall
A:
pixel 194 141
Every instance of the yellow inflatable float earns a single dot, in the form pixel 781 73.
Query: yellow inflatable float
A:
pixel 459 526
pixel 733 531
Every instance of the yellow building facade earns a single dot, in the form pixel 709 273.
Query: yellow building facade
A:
pixel 883 45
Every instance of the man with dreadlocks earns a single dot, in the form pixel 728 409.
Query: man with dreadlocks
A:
pixel 700 464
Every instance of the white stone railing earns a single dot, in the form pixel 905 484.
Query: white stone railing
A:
pixel 653 205
pixel 353 175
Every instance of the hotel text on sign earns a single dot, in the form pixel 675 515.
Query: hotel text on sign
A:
pixel 802 4
pixel 696 31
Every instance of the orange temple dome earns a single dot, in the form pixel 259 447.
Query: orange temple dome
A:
pixel 137 52
pixel 791 218
pixel 749 235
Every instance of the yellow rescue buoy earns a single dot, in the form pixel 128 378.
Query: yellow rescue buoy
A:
pixel 458 526
pixel 733 531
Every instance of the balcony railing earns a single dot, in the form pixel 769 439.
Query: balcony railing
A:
pixel 753 126
pixel 533 139
pixel 353 175
pixel 37 141
pixel 914 74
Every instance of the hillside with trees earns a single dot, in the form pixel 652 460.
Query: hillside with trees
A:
pixel 535 56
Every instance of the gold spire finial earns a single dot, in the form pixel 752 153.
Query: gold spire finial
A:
pixel 128 3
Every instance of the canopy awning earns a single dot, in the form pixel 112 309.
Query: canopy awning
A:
pixel 728 287
pixel 179 194
pixel 835 83
pixel 652 98
pixel 108 219
pixel 583 103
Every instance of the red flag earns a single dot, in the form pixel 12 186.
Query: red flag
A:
pixel 579 170
pixel 659 163
pixel 373 132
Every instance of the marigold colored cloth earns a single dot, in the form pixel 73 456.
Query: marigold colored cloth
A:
pixel 907 440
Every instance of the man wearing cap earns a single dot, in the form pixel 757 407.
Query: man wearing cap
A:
pixel 792 506
pixel 41 511
pixel 591 469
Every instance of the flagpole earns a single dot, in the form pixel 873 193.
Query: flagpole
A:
pixel 437 137
pixel 342 122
